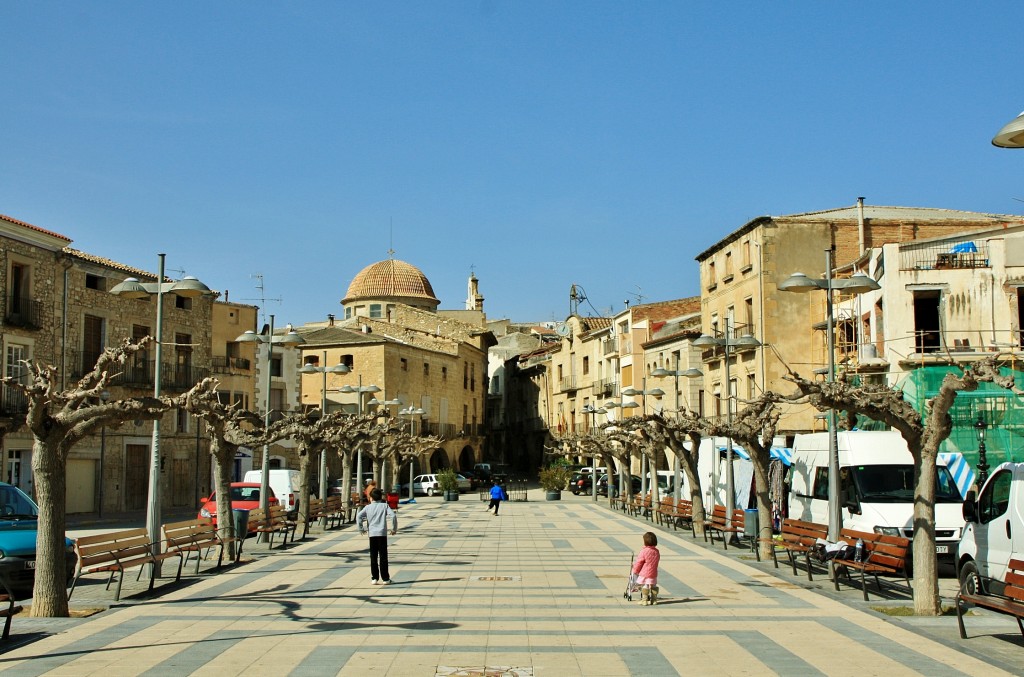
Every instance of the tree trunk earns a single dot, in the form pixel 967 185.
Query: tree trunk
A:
pixel 50 595
pixel 305 477
pixel 223 460
pixel 346 480
pixel 761 459
pixel 689 460
pixel 926 574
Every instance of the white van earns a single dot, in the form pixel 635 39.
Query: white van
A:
pixel 876 481
pixel 285 484
pixel 994 532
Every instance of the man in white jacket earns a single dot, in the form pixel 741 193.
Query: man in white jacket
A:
pixel 373 519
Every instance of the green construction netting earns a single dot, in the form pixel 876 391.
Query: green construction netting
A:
pixel 1000 409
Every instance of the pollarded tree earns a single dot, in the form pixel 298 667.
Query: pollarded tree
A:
pixel 59 419
pixel 676 433
pixel 922 437
pixel 230 427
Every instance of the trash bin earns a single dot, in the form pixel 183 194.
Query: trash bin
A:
pixel 240 518
pixel 750 522
pixel 393 500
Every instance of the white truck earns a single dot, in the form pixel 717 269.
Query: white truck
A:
pixel 876 477
pixel 994 532
pixel 285 484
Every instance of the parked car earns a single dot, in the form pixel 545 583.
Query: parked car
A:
pixel 994 530
pixel 244 496
pixel 476 481
pixel 19 517
pixel 581 483
pixel 602 484
pixel 427 484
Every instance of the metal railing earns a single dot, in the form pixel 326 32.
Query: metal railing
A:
pixel 23 312
pixel 948 255
pixel 13 401
pixel 222 364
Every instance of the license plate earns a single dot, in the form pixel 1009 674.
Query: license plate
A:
pixel 942 550
pixel 31 564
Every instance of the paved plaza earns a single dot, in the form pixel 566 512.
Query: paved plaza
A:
pixel 537 590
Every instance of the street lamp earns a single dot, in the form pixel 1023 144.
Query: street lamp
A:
pixel 858 283
pixel 360 390
pixel 692 372
pixel 187 287
pixel 324 369
pixel 1011 135
pixel 643 392
pixel 726 341
pixel 593 411
pixel 980 427
pixel 291 338
pixel 411 411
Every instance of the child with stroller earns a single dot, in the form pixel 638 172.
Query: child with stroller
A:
pixel 645 566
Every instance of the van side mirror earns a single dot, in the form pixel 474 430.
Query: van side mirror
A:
pixel 970 507
pixel 853 506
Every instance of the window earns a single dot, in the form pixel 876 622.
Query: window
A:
pixel 728 265
pixel 745 254
pixel 472 378
pixel 275 366
pixel 444 373
pixel 748 315
pixel 313 360
pixel 183 358
pixel 820 483
pixel 181 420
pixel 276 403
pixel 404 364
pixel 751 386
pixel 375 310
pixel 465 375
pixel 348 360
pixel 348 313
pixel 182 302
pixel 95 282
pixel 19 289
pixel 426 370
pixel 92 341
pixel 926 321
pixel 15 354
pixel 995 500
pixel 712 275
pixel 586 366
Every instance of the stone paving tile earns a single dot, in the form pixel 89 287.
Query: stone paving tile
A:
pixel 309 609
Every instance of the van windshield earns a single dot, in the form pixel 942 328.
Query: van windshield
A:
pixel 895 484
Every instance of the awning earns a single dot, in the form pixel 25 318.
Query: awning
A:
pixel 960 469
pixel 964 248
pixel 784 454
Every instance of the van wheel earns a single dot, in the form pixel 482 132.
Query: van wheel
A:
pixel 430 491
pixel 970 582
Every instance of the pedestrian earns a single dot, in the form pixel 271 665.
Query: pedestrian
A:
pixel 373 520
pixel 370 486
pixel 497 496
pixel 645 566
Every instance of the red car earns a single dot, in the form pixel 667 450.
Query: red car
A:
pixel 244 496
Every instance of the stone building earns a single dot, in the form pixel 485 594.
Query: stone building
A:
pixel 739 277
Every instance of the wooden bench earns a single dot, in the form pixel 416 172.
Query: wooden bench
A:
pixel 273 521
pixel 727 526
pixel 882 555
pixel 116 551
pixel 677 513
pixel 1011 602
pixel 10 610
pixel 333 511
pixel 640 506
pixel 195 536
pixel 797 537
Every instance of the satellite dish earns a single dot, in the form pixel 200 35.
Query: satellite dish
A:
pixel 562 329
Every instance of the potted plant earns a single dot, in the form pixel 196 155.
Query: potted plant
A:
pixel 553 479
pixel 448 482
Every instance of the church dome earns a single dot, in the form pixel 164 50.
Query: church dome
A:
pixel 391 280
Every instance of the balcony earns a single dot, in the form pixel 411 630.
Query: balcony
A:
pixel 568 384
pixel 23 312
pixel 607 387
pixel 229 365
pixel 609 346
pixel 946 256
pixel 13 402
pixel 181 376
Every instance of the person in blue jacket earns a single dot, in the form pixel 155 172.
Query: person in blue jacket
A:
pixel 497 496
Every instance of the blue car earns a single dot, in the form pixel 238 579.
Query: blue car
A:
pixel 19 517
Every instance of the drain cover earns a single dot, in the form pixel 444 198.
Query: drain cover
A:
pixel 495 578
pixel 483 671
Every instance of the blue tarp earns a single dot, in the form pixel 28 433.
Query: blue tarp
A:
pixel 964 248
pixel 784 454
pixel 960 469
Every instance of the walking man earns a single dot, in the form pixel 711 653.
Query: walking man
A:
pixel 497 496
pixel 373 520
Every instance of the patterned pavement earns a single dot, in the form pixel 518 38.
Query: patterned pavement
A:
pixel 537 590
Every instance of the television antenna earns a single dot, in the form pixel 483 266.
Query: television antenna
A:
pixel 262 295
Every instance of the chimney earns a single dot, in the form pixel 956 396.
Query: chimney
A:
pixel 860 225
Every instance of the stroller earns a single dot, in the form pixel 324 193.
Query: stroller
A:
pixel 631 585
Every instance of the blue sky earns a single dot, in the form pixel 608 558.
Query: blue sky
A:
pixel 543 143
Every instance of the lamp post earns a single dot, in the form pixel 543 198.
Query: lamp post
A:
pixel 291 338
pixel 104 396
pixel 324 369
pixel 855 284
pixel 187 287
pixel 593 411
pixel 692 372
pixel 360 390
pixel 726 342
pixel 980 427
pixel 1011 135
pixel 412 411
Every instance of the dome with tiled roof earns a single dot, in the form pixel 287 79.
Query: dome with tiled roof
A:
pixel 388 281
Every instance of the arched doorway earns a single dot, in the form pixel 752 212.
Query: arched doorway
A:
pixel 439 460
pixel 467 458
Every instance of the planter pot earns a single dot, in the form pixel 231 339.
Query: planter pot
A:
pixel 451 495
pixel 553 495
